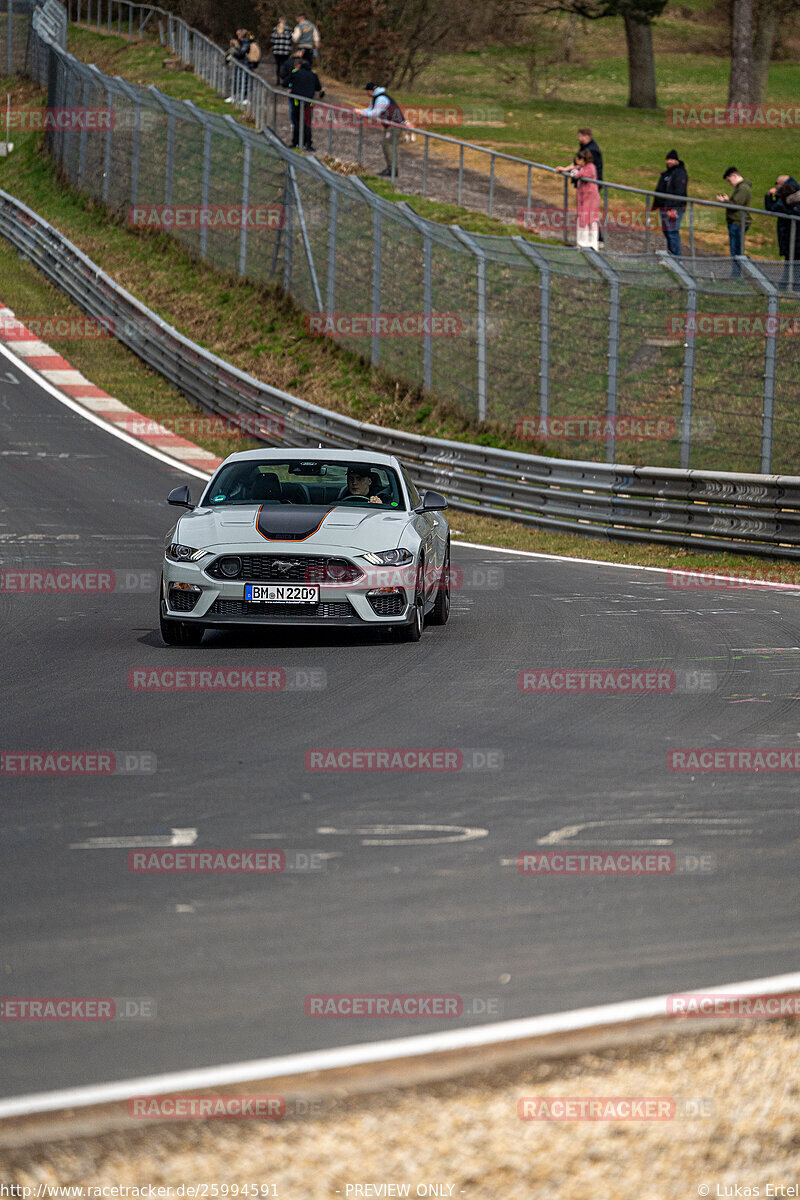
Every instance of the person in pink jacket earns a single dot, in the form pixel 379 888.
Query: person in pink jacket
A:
pixel 584 172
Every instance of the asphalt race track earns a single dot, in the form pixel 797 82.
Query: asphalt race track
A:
pixel 229 959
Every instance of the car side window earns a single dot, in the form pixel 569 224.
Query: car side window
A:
pixel 413 494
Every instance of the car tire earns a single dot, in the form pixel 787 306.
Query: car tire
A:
pixel 413 631
pixel 179 633
pixel 441 605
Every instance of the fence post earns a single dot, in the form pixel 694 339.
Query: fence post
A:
pixel 102 82
pixel 673 264
pixel 566 207
pixel 612 278
pixel 423 229
pixel 87 95
pixel 245 202
pixel 536 256
pixel 333 217
pixel 377 271
pixel 480 255
pixel 10 38
pixel 770 355
pixel 132 95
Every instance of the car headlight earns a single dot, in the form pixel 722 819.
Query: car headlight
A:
pixel 179 553
pixel 385 558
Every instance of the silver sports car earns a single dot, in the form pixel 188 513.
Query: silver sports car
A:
pixel 297 537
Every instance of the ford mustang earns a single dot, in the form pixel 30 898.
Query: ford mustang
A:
pixel 293 537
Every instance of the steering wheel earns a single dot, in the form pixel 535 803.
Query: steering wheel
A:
pixel 354 496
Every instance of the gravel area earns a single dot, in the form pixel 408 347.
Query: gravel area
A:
pixel 735 1122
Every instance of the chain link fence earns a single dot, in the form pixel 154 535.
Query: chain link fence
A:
pixel 625 357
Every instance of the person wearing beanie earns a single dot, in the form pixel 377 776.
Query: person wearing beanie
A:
pixel 673 181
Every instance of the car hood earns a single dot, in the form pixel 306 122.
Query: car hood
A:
pixel 309 526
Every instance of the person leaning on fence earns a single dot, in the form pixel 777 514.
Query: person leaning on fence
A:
pixel 584 176
pixel 386 110
pixel 784 198
pixel 674 181
pixel 281 42
pixel 587 142
pixel 303 86
pixel 738 221
pixel 305 35
pixel 246 52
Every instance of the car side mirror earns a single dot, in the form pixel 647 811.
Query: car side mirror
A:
pixel 432 501
pixel 181 496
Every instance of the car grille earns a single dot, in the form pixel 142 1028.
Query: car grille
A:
pixel 182 601
pixel 309 568
pixel 240 608
pixel 388 606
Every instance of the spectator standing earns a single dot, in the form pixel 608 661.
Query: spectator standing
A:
pixel 281 40
pixel 291 64
pixel 784 198
pixel 305 35
pixel 303 85
pixel 584 176
pixel 239 52
pixel 674 181
pixel 738 222
pixel 587 142
pixel 386 110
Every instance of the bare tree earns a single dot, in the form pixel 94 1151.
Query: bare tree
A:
pixel 741 78
pixel 637 16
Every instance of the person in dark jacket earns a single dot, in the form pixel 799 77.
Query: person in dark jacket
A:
pixel 303 85
pixel 674 181
pixel 738 222
pixel 587 142
pixel 784 198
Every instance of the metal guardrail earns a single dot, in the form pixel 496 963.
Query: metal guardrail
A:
pixel 701 510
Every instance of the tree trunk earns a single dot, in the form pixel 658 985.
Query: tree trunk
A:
pixel 768 19
pixel 641 64
pixel 741 81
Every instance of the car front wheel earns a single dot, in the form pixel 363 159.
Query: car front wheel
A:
pixel 179 633
pixel 413 632
pixel 441 605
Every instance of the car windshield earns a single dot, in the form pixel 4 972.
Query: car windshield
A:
pixel 292 481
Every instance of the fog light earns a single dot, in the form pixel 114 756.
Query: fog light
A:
pixel 230 567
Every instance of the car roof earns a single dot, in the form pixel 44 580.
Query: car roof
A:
pixel 311 454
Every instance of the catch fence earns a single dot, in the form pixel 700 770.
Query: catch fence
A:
pixel 627 357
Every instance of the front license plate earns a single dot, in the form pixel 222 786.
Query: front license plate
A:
pixel 280 593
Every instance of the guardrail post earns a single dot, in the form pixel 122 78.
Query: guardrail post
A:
pixel 673 264
pixel 536 256
pixel 770 353
pixel 480 255
pixel 612 277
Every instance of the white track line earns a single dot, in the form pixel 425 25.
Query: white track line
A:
pixel 68 402
pixel 743 582
pixel 375 1052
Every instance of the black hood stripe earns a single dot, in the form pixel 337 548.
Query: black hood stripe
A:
pixel 289 522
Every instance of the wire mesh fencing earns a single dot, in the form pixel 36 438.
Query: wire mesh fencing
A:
pixel 630 358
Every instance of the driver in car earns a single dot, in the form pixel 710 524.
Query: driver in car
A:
pixel 359 482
